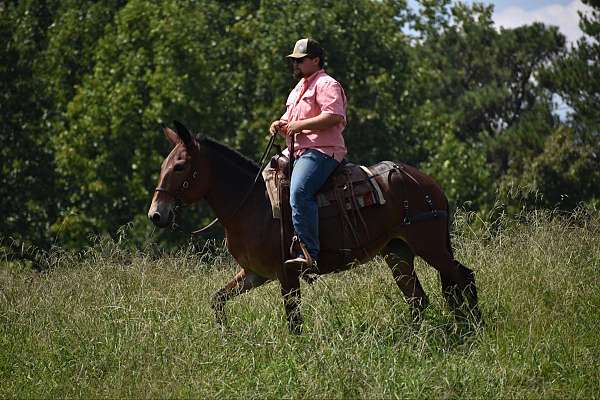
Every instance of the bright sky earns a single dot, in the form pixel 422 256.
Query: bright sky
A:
pixel 562 13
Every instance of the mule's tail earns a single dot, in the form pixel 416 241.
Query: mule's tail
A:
pixel 448 241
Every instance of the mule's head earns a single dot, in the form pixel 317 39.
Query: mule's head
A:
pixel 181 176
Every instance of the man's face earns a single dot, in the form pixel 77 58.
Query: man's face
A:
pixel 304 67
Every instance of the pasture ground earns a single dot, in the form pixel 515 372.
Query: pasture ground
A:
pixel 114 322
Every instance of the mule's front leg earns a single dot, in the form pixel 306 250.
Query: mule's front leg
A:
pixel 290 290
pixel 242 282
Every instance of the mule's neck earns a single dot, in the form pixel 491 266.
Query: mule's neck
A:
pixel 229 187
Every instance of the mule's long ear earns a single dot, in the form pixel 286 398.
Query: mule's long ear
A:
pixel 183 133
pixel 171 135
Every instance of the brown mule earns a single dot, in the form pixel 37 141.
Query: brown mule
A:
pixel 200 168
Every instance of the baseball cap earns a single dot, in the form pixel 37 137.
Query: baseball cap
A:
pixel 306 47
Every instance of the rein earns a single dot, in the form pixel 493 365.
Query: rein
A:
pixel 185 185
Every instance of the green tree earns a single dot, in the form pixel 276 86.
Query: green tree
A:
pixel 482 83
pixel 27 195
pixel 564 175
pixel 576 76
pixel 109 150
pixel 567 171
pixel 48 46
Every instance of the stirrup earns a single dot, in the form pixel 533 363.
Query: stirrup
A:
pixel 304 261
pixel 301 263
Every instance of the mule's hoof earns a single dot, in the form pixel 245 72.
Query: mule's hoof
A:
pixel 295 325
pixel 295 329
pixel 416 318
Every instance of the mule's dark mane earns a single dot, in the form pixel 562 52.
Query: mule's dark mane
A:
pixel 230 154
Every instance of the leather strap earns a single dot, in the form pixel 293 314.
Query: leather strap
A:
pixel 186 185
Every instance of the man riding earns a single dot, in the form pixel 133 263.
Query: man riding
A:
pixel 314 119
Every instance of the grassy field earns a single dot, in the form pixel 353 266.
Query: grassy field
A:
pixel 114 322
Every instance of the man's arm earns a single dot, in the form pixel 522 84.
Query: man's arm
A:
pixel 321 121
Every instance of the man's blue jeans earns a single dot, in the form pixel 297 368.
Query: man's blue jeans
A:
pixel 311 170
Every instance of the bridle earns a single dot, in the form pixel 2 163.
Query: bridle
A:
pixel 186 184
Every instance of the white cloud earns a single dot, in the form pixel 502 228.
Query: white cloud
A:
pixel 563 16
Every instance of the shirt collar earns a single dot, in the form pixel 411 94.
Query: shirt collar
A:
pixel 312 77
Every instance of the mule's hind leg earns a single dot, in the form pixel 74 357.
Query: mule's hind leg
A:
pixel 242 282
pixel 400 259
pixel 458 285
pixel 470 293
pixel 450 290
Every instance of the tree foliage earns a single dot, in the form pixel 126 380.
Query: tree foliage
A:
pixel 576 76
pixel 567 172
pixel 28 191
pixel 478 113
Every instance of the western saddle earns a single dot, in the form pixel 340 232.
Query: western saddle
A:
pixel 349 189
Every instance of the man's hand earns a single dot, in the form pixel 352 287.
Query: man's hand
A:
pixel 277 126
pixel 295 127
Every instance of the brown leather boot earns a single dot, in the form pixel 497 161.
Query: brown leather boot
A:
pixel 302 262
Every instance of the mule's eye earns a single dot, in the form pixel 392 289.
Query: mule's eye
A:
pixel 178 167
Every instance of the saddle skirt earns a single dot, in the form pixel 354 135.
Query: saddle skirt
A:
pixel 350 187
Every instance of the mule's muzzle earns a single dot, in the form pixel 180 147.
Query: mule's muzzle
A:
pixel 155 218
pixel 159 219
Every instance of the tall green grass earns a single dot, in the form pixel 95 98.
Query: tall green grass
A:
pixel 115 322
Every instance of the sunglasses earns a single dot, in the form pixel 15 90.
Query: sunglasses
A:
pixel 299 60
